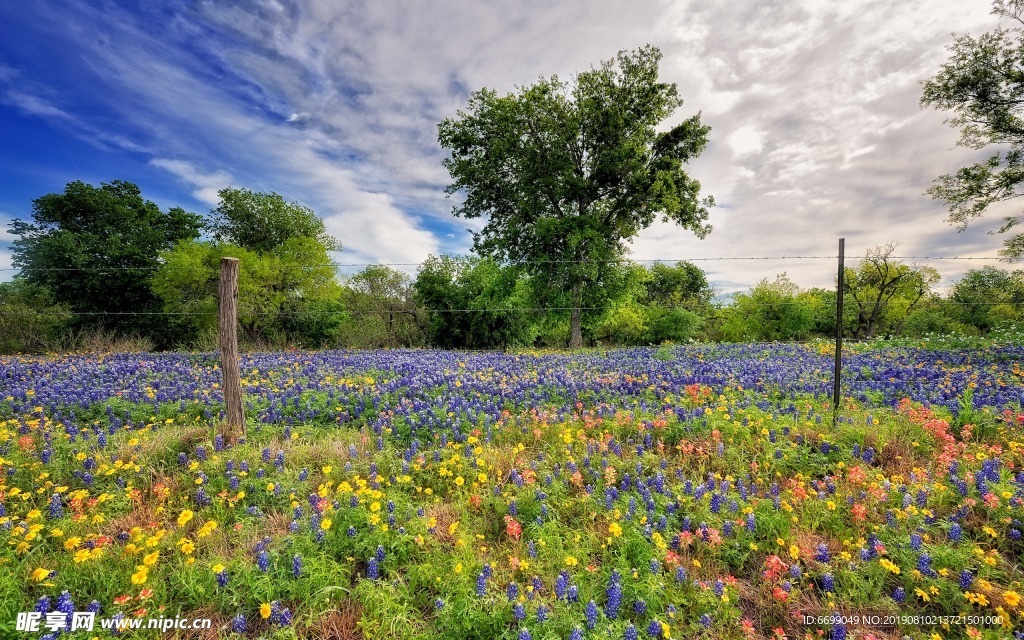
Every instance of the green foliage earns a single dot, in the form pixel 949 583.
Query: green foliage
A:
pixel 264 222
pixel 29 319
pixel 288 295
pixel 981 84
pixel 382 310
pixel 565 173
pixel 988 297
pixel 497 299
pixel 94 249
pixel 883 291
pixel 770 311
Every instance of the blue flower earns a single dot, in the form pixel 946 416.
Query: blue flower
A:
pixel 591 614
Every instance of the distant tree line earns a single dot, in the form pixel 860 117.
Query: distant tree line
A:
pixel 104 264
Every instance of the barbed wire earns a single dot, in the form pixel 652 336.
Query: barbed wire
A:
pixel 712 309
pixel 516 263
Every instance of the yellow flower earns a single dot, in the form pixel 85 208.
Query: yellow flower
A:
pixel 571 561
pixel 217 568
pixel 72 542
pixel 184 518
pixel 151 559
pixel 40 574
pixel 888 564
pixel 140 575
pixel 82 555
pixel 460 481
pixel 325 524
pixel 264 610
pixel 1012 598
pixel 794 551
pixel 207 529
pixel 374 507
pixel 615 529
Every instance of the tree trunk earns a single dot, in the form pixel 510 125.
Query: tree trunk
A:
pixel 576 321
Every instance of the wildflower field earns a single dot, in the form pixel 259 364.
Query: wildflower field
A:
pixel 689 492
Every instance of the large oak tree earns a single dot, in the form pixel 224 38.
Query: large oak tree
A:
pixel 566 173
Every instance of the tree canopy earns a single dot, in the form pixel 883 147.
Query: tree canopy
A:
pixel 982 83
pixel 566 173
pixel 263 222
pixel 95 248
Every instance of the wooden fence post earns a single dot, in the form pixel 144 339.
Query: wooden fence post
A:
pixel 229 347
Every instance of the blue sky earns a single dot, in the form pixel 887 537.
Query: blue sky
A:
pixel 816 129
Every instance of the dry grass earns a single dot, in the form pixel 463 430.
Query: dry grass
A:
pixel 446 514
pixel 160 441
pixel 340 624
pixel 899 457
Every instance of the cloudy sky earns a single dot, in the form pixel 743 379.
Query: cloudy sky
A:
pixel 816 128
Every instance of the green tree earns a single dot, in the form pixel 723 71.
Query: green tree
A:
pixel 474 303
pixel 382 309
pixel 29 319
pixel 95 249
pixel 681 284
pixel 982 83
pixel 772 310
pixel 262 222
pixel 289 295
pixel 884 291
pixel 988 297
pixel 566 173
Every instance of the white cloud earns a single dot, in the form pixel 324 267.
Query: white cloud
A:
pixel 206 184
pixel 816 128
pixel 746 140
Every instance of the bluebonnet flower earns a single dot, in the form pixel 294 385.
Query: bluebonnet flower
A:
pixel 705 621
pixel 542 613
pixel 966 579
pixel 561 582
pixel 572 595
pixel 591 614
pixel 614 593
pixel 296 565
pixel 438 604
pixel 518 612
pixel 924 565
pixel 481 585
pixel 719 588
pixel 512 591
pixel 43 605
pixel 827 583
pixel 524 634
pixel 372 570
pixel 380 554
pixel 822 555
pixel 577 634
pixel 631 633
pixel 899 595
pixel 654 629
pixel 222 578
pixel 263 561
pixel 56 507
pixel 955 532
pixel 838 631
